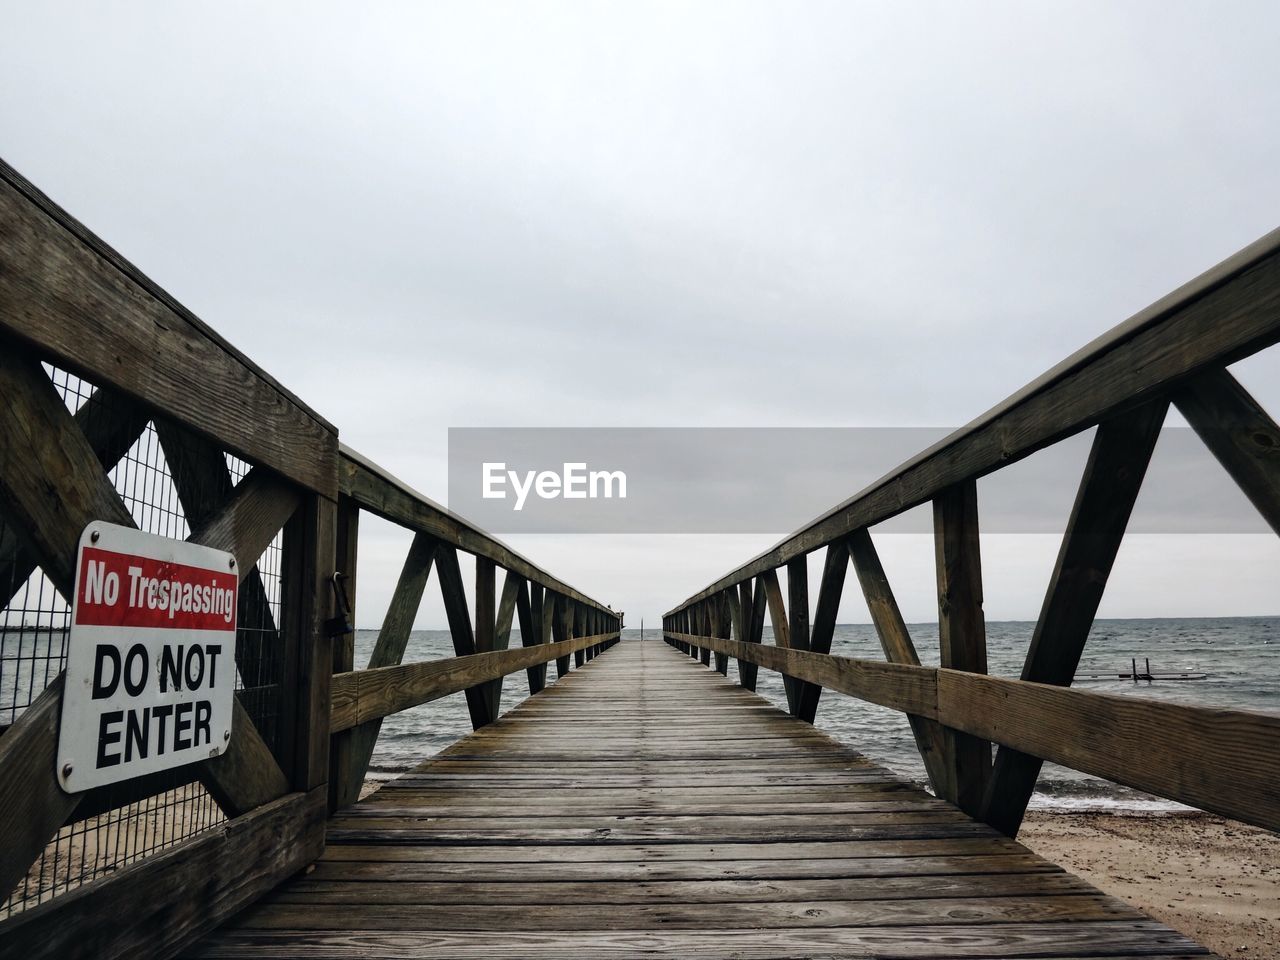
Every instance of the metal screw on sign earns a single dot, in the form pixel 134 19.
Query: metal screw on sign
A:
pixel 66 770
pixel 232 563
pixel 94 537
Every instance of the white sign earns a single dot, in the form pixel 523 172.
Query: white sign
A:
pixel 151 667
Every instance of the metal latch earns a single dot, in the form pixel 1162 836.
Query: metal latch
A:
pixel 339 625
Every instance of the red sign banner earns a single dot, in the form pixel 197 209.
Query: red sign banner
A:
pixel 126 590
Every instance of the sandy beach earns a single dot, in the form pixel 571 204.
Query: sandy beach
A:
pixel 1215 880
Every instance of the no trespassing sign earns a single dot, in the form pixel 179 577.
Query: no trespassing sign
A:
pixel 151 662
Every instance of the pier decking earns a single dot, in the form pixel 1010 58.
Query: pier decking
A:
pixel 645 805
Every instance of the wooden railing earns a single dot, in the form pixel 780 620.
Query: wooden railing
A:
pixel 1176 351
pixel 556 622
pixel 119 405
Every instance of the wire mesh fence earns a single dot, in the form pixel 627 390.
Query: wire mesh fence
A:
pixel 34 631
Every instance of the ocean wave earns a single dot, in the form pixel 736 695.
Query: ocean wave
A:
pixel 1131 806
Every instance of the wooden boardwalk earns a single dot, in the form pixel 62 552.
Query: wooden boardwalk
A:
pixel 645 805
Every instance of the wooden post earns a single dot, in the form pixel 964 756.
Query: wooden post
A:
pixel 347 536
pixel 961 631
pixel 753 611
pixel 460 629
pixel 388 651
pixel 512 586
pixel 781 628
pixel 533 631
pixel 486 603
pixel 718 626
pixel 1240 433
pixel 485 627
pixel 562 630
pixel 740 616
pixel 1109 487
pixel 834 569
pixel 579 630
pixel 307 566
pixel 895 640
pixel 704 630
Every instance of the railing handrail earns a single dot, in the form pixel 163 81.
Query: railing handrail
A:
pixel 1127 738
pixel 359 696
pixel 994 440
pixel 1175 352
pixel 377 490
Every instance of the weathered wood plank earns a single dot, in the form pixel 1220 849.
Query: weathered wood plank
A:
pixel 486 603
pixel 738 624
pixel 53 483
pixel 1240 433
pixel 460 628
pixel 962 632
pixel 535 628
pixel 1223 761
pixel 32 804
pixel 370 866
pixel 1072 940
pixel 246 524
pixel 695 852
pixel 157 905
pixel 781 624
pixel 369 694
pixel 562 631
pixel 1109 487
pixel 397 624
pixel 246 775
pixel 404 891
pixel 834 568
pixel 895 640
pixel 512 585
pixel 307 568
pixel 111 424
pixel 346 773
pixel 890 685
pixel 704 628
pixel 676 915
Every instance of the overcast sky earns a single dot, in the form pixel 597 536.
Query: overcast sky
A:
pixel 422 215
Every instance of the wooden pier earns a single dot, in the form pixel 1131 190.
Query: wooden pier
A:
pixel 643 801
pixel 646 806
